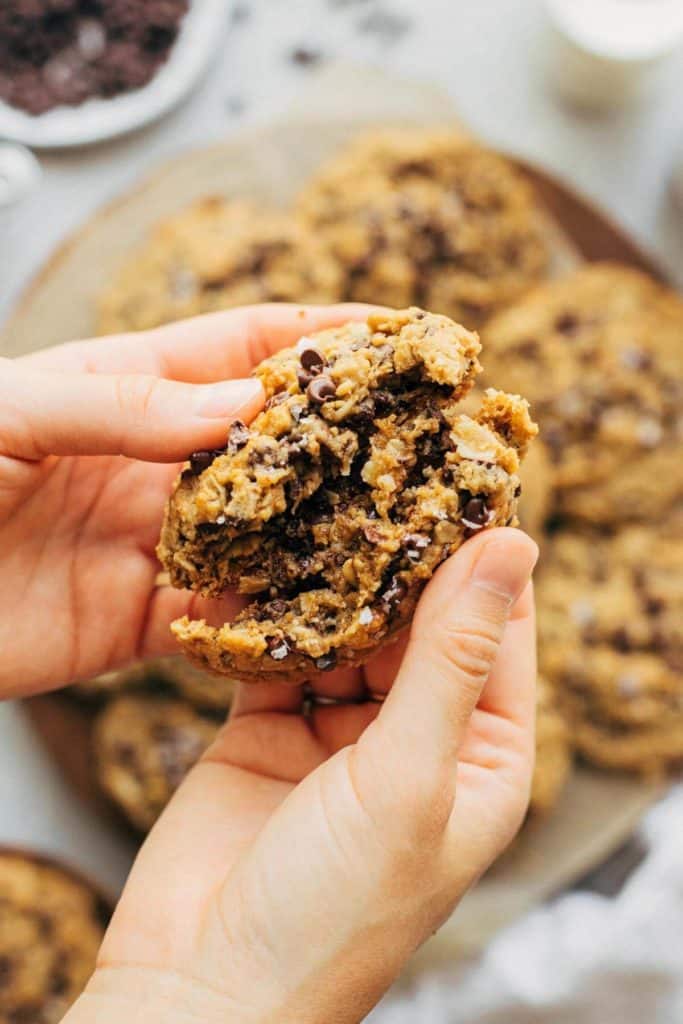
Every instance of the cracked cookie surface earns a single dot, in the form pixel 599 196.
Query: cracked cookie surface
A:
pixel 335 507
pixel 610 612
pixel 144 747
pixel 51 927
pixel 214 255
pixel 599 354
pixel 428 218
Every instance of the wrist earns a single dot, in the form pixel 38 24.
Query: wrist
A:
pixel 149 995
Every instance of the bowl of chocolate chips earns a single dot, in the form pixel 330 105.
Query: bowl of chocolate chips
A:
pixel 73 72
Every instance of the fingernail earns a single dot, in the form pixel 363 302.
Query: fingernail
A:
pixel 220 401
pixel 505 567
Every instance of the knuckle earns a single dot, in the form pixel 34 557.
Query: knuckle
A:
pixel 471 648
pixel 134 396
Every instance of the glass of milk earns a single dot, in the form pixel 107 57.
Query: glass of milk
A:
pixel 609 53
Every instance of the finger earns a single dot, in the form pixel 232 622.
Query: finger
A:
pixel 205 348
pixel 381 670
pixel 341 726
pixel 343 683
pixel 454 642
pixel 252 698
pixel 511 694
pixel 138 416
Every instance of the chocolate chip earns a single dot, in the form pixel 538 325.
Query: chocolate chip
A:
pixel 622 641
pixel 371 534
pixel 476 512
pixel 384 402
pixel 393 595
pixel 6 971
pixel 277 608
pixel 567 323
pixel 518 490
pixel 201 460
pixel 277 399
pixel 320 389
pixel 654 605
pixel 278 648
pixel 312 361
pixel 304 378
pixel 305 57
pixel 238 435
pixel 326 662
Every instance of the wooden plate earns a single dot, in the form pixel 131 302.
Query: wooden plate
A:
pixel 598 811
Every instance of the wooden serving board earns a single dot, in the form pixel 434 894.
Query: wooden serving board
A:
pixel 598 811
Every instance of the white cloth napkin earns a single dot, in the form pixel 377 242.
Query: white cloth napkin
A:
pixel 583 958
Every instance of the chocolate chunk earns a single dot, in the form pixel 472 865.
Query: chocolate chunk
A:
pixel 320 389
pixel 277 608
pixel 326 662
pixel 238 435
pixel 654 605
pixel 393 595
pixel 278 648
pixel 312 361
pixel 415 544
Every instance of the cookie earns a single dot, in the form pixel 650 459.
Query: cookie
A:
pixel 202 689
pixel 428 218
pixel 599 356
pixel 110 683
pixel 333 510
pixel 610 613
pixel 553 750
pixel 51 927
pixel 214 255
pixel 144 747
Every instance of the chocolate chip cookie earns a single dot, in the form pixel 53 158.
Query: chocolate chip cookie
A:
pixel 51 927
pixel 611 639
pixel 203 690
pixel 553 750
pixel 599 354
pixel 333 510
pixel 214 255
pixel 428 218
pixel 144 747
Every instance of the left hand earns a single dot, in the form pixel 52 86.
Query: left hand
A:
pixel 91 436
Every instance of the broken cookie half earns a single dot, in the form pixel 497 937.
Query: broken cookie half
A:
pixel 334 508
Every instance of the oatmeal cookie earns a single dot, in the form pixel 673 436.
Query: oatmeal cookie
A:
pixel 428 218
pixel 553 750
pixel 214 255
pixel 611 639
pixel 599 354
pixel 144 747
pixel 332 511
pixel 203 690
pixel 51 927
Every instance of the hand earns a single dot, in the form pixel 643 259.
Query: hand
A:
pixel 90 439
pixel 305 858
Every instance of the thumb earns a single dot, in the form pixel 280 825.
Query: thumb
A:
pixel 143 417
pixel 454 642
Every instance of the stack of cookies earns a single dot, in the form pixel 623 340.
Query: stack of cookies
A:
pixel 599 354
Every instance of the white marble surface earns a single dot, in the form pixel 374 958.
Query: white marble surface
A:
pixel 489 57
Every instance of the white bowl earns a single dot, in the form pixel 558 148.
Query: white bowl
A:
pixel 201 31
